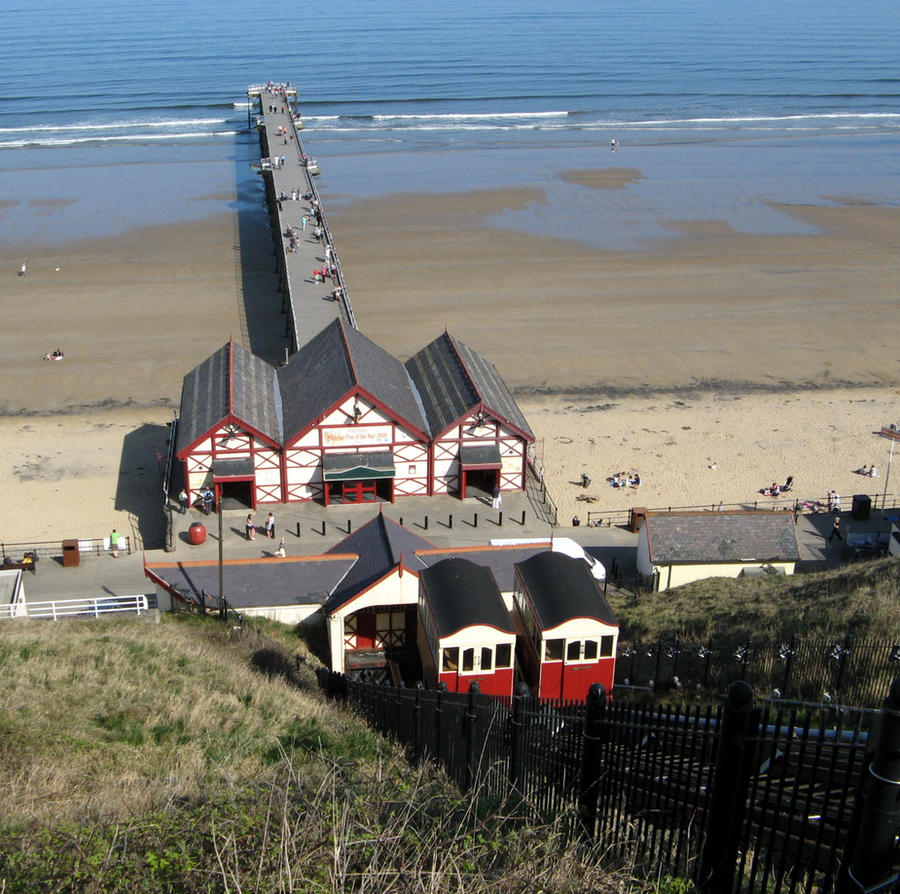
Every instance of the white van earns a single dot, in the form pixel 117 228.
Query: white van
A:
pixel 564 545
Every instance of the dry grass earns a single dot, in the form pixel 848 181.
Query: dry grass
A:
pixel 141 757
pixel 860 599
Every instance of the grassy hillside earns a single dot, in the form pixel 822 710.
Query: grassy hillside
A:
pixel 187 756
pixel 861 599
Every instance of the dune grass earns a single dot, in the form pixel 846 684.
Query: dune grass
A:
pixel 190 756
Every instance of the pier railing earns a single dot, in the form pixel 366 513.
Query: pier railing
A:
pixel 58 609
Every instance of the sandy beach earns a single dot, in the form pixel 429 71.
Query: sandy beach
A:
pixel 763 356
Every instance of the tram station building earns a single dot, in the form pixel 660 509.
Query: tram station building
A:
pixel 345 422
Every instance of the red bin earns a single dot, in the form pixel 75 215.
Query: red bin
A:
pixel 197 533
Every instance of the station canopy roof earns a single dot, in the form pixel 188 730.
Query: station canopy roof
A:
pixel 358 466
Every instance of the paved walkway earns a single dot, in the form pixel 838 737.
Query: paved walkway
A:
pixel 445 521
pixel 311 304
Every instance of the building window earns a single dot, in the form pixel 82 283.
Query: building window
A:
pixel 573 650
pixel 504 655
pixel 553 650
pixel 590 650
pixel 450 660
pixel 412 470
pixel 468 661
pixel 487 659
pixel 606 646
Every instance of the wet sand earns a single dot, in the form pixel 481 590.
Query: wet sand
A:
pixel 766 356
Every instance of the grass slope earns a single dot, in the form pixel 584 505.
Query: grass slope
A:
pixel 862 599
pixel 140 757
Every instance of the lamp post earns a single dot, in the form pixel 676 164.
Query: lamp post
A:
pixel 889 431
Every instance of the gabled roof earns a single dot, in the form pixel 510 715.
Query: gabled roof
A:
pixel 256 583
pixel 380 545
pixel 231 383
pixel 336 361
pixel 453 380
pixel 501 560
pixel 561 588
pixel 721 537
pixel 461 594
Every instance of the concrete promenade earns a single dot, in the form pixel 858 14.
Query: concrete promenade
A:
pixel 291 191
pixel 104 575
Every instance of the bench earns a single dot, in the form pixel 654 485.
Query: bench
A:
pixel 28 563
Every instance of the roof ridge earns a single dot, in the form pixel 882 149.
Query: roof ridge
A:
pixel 353 373
pixel 464 367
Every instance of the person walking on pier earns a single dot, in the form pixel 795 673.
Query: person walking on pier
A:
pixel 270 525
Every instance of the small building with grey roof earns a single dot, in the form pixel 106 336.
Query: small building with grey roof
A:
pixel 675 548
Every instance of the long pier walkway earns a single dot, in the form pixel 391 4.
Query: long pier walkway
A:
pixel 310 303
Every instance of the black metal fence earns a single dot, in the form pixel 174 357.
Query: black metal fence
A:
pixel 734 798
pixel 846 670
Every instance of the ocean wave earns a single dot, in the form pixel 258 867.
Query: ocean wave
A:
pixel 121 138
pixel 112 125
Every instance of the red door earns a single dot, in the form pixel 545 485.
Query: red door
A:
pixel 358 492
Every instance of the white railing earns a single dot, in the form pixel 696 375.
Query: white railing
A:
pixel 71 608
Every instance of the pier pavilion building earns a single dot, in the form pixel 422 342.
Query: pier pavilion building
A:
pixel 343 421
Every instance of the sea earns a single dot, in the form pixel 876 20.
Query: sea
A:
pixel 120 113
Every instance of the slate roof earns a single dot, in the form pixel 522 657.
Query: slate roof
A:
pixel 501 560
pixel 230 382
pixel 267 582
pixel 721 537
pixel 462 594
pixel 562 588
pixel 379 544
pixel 452 380
pixel 330 366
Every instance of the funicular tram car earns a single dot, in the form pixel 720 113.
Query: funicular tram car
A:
pixel 567 630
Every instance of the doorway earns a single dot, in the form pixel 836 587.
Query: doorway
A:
pixel 235 494
pixel 479 483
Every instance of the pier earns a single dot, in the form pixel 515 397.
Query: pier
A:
pixel 309 304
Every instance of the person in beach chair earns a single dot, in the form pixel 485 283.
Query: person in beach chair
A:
pixel 788 484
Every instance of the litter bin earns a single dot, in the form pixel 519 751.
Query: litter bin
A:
pixel 70 555
pixel 862 507
pixel 197 533
pixel 638 517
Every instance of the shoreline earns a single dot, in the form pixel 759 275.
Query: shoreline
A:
pixel 713 347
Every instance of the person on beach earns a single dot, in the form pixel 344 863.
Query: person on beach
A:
pixel 250 527
pixel 114 543
pixel 23 270
pixel 281 552
pixel 270 525
pixel 834 501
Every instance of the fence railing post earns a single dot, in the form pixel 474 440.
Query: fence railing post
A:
pixel 737 738
pixel 471 724
pixel 517 737
pixel 872 867
pixel 439 755
pixel 591 761
pixel 417 723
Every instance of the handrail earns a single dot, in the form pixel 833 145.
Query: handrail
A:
pixel 68 608
pixel 595 517
pixel 49 549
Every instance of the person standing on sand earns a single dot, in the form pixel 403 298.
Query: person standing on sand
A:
pixel 270 525
pixel 251 528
